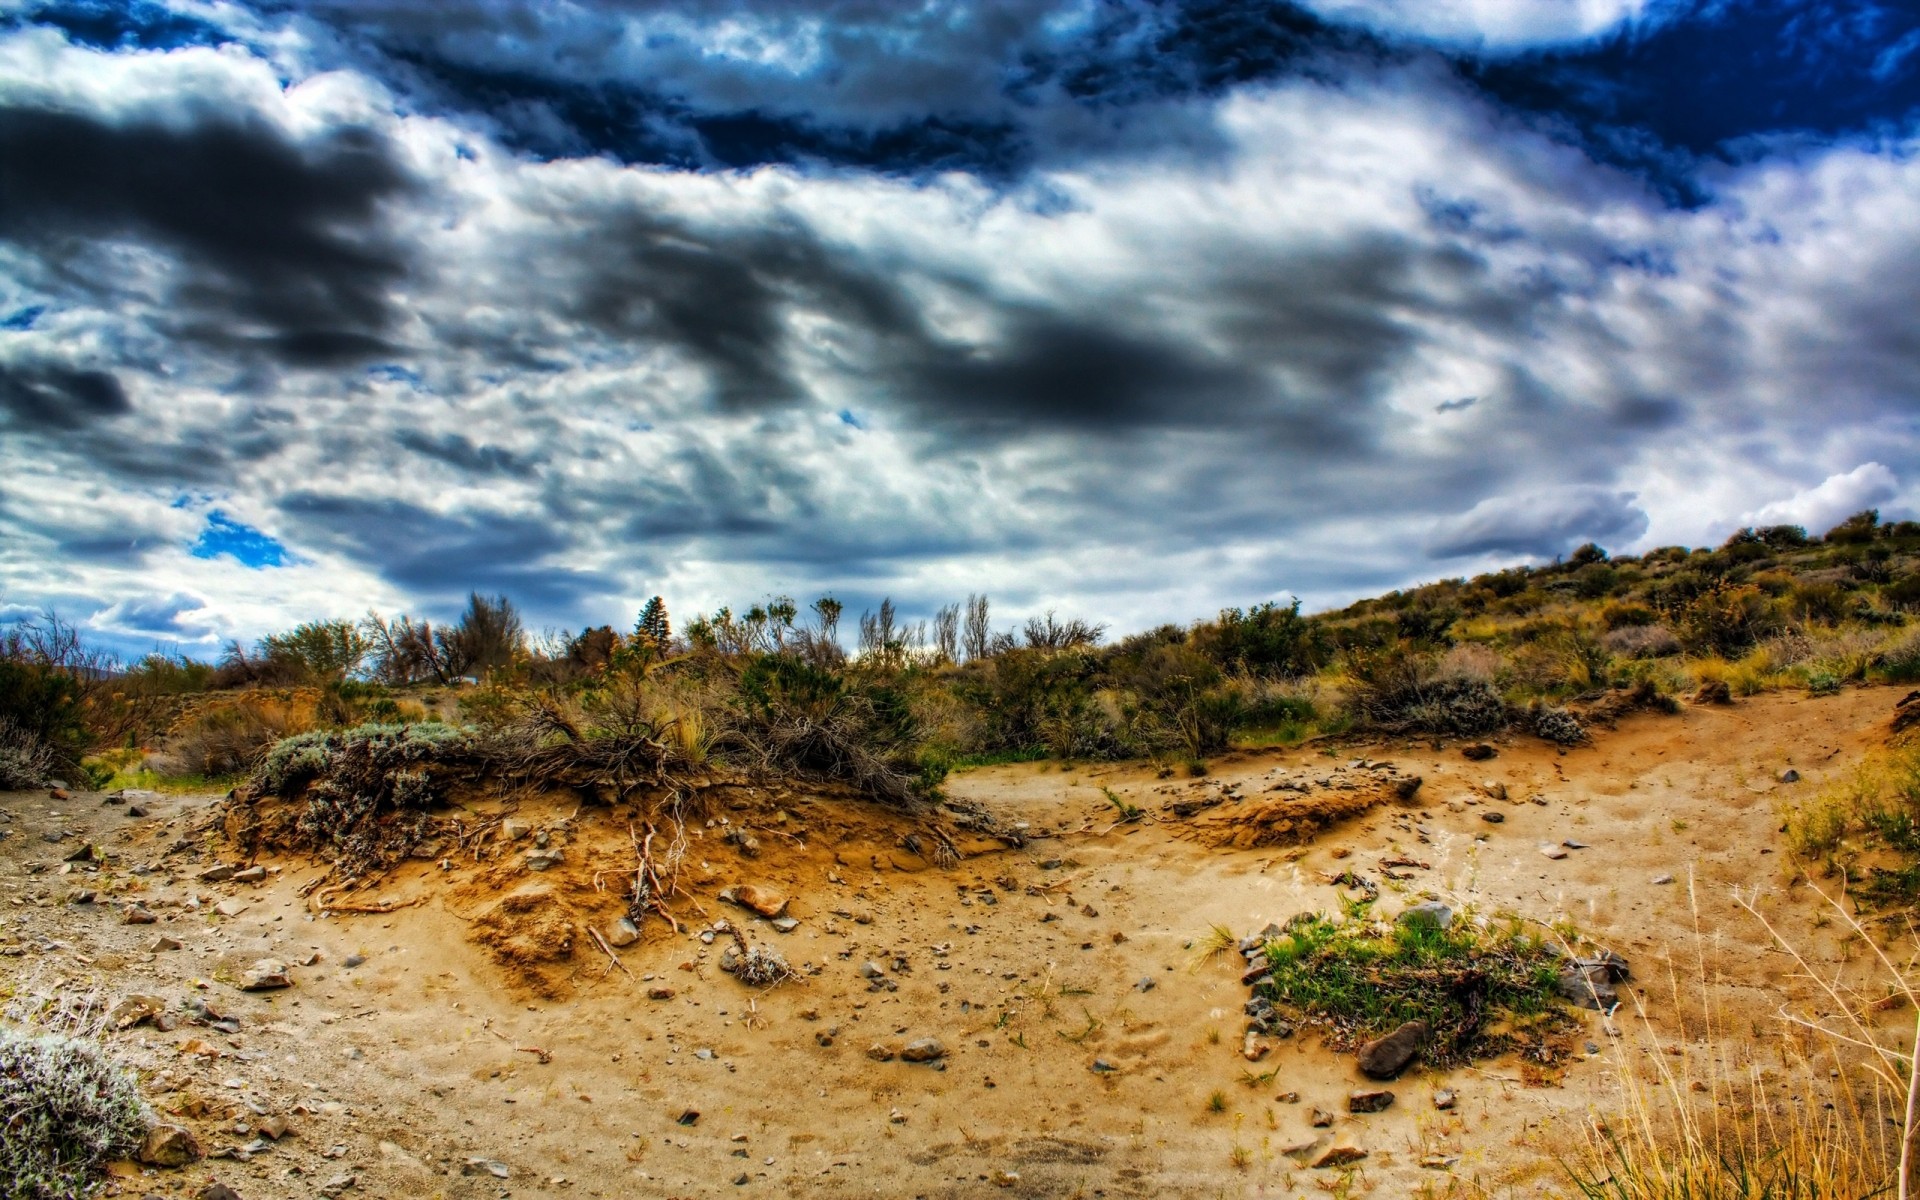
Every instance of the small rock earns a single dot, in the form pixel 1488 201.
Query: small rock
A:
pixel 135 810
pixel 622 933
pixel 1571 844
pixel 690 1117
pixel 134 1010
pixel 353 960
pixel 1006 1179
pixel 168 1146
pixel 1477 752
pixel 1662 879
pixel 1386 1057
pixel 766 901
pixel 925 1049
pixel 272 1127
pixel 896 1117
pixel 1432 913
pixel 660 993
pixel 1444 1099
pixel 88 852
pixel 1254 1048
pixel 1369 1101
pixel 514 830
pixel 338 1184
pixel 543 860
pixel 1287 1098
pixel 162 943
pixel 489 1166
pixel 880 1052
pixel 1146 984
pixel 872 970
pixel 1789 776
pixel 1339 1155
pixel 133 914
pixel 1493 818
pixel 266 975
pixel 216 1191
pixel 1320 1118
pixel 1553 852
pixel 1101 1066
pixel 230 908
pixel 253 874
pixel 742 1179
pixel 219 873
pixel 785 924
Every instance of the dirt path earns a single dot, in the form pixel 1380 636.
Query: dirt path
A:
pixel 426 1067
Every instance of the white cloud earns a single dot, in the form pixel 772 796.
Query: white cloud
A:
pixel 1832 500
pixel 1494 24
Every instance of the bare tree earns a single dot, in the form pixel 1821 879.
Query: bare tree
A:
pixel 879 632
pixel 1047 633
pixel 978 632
pixel 946 633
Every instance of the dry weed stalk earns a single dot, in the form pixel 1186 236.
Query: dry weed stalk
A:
pixel 1715 1129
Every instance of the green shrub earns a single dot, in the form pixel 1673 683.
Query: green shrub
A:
pixel 65 1109
pixel 45 705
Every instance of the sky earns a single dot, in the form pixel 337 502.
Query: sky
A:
pixel 1132 309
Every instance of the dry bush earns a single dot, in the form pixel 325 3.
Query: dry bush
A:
pixel 1642 641
pixel 1398 689
pixel 25 760
pixel 229 739
pixel 66 1106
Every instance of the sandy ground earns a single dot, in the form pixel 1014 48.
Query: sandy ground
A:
pixel 430 1068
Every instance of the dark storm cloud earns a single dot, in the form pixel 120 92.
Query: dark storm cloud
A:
pixel 444 555
pixel 278 245
pixel 156 616
pixel 52 397
pixel 462 452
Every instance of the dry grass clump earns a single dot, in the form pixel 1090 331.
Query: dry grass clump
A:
pixel 1832 1116
pixel 1865 828
pixel 225 740
pixel 26 761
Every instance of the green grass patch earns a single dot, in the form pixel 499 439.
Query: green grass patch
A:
pixel 1481 992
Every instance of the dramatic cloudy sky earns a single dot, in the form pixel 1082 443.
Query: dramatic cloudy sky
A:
pixel 1132 308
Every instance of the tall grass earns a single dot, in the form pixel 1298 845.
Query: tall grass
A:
pixel 1830 1117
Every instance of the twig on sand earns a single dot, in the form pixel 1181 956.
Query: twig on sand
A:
pixel 611 956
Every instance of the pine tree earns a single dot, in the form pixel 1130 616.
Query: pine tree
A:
pixel 653 630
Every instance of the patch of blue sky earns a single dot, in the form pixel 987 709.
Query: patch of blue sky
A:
pixel 241 542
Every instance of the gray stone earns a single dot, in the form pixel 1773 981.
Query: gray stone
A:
pixel 543 860
pixel 254 874
pixel 622 933
pixel 1146 984
pixel 1493 818
pixel 785 924
pixel 1552 851
pixel 1662 879
pixel 1444 1099
pixel 1320 1118
pixel 1386 1057
pixel 266 975
pixel 872 970
pixel 1789 776
pixel 924 1049
pixel 353 960
pixel 1432 913
pixel 498 1169
pixel 163 943
pixel 219 873
pixel 1588 985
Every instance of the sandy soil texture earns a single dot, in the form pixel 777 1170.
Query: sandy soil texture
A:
pixel 480 1042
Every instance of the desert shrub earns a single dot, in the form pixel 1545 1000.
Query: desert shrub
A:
pixel 1623 614
pixel 228 739
pixel 1899 661
pixel 25 760
pixel 45 705
pixel 1903 593
pixel 1722 619
pixel 1641 641
pixel 1399 689
pixel 1858 529
pixel 1355 982
pixel 799 718
pixel 1267 640
pixel 1553 723
pixel 364 791
pixel 1026 699
pixel 65 1109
